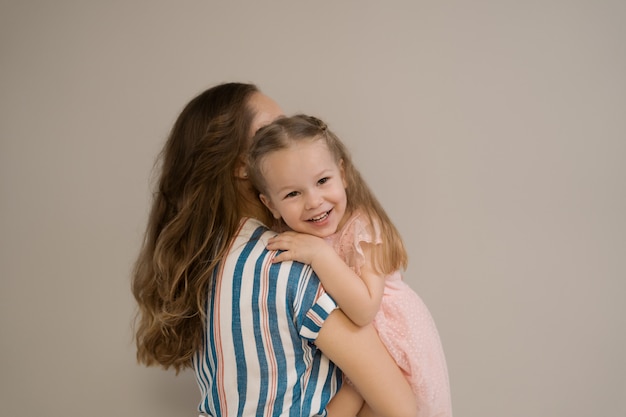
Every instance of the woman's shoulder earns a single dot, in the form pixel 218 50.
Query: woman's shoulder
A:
pixel 254 229
pixel 249 225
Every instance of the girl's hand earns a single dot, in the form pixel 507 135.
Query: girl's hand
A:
pixel 299 247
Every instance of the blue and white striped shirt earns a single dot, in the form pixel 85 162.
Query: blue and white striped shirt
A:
pixel 258 357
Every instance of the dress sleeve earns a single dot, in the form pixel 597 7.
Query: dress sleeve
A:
pixel 357 232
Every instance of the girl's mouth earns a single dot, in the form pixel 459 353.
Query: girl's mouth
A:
pixel 321 217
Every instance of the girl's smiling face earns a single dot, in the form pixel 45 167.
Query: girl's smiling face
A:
pixel 306 187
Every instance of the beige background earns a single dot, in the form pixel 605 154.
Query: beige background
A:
pixel 493 131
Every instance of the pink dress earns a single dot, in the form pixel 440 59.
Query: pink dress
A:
pixel 403 322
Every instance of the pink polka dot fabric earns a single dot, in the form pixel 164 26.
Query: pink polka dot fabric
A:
pixel 404 324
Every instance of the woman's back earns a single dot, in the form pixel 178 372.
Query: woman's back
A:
pixel 246 364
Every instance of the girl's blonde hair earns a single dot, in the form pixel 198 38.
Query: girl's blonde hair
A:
pixel 283 133
pixel 194 215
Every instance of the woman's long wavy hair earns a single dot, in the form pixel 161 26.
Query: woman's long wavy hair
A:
pixel 283 133
pixel 194 215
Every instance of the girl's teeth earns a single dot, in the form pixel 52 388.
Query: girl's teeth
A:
pixel 322 217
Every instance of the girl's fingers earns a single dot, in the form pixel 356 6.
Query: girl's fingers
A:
pixel 283 256
pixel 276 246
pixel 278 243
pixel 273 242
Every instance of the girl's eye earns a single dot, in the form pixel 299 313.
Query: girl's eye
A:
pixel 291 194
pixel 323 180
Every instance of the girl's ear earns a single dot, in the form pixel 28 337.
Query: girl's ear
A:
pixel 268 203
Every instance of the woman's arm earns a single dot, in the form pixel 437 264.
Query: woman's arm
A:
pixel 364 360
pixel 358 296
pixel 347 402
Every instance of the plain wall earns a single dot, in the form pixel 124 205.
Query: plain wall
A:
pixel 493 132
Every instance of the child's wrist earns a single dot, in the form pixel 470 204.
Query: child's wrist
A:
pixel 321 255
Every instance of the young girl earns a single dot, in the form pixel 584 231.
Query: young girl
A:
pixel 307 180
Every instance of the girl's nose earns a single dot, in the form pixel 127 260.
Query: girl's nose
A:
pixel 314 199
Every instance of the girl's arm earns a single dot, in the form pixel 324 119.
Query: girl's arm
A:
pixel 358 296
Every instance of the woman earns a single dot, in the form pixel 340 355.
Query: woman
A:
pixel 263 339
